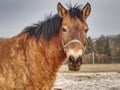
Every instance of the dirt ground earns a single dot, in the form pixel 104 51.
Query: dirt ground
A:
pixel 87 81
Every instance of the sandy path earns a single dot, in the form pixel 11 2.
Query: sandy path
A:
pixel 88 81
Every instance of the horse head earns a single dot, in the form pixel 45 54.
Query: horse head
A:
pixel 74 30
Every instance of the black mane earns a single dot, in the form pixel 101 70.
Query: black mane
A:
pixel 75 11
pixel 50 27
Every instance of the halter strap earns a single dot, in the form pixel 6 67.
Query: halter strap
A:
pixel 74 41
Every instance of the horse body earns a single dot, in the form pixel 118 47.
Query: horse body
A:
pixel 26 65
pixel 31 59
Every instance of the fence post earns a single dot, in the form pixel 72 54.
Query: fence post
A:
pixel 93 57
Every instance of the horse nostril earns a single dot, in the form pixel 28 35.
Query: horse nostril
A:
pixel 79 59
pixel 71 58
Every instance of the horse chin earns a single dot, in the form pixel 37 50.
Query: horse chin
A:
pixel 74 68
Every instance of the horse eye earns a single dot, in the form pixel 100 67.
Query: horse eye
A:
pixel 86 30
pixel 64 30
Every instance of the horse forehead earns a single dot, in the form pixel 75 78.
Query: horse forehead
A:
pixel 70 20
pixel 77 23
pixel 74 24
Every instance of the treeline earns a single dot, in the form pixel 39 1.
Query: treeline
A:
pixel 106 49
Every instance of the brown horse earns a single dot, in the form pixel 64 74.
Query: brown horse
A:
pixel 30 60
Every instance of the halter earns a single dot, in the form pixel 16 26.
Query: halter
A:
pixel 74 41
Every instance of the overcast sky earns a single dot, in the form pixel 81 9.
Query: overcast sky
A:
pixel 15 15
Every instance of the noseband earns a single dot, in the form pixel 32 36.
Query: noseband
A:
pixel 74 41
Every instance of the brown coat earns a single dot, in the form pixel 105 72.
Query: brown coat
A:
pixel 27 65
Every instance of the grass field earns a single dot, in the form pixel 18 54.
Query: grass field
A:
pixel 94 68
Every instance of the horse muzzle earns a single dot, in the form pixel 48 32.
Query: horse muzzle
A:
pixel 74 51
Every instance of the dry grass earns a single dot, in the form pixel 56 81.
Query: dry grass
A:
pixel 95 68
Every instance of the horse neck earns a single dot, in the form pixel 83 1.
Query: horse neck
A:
pixel 54 53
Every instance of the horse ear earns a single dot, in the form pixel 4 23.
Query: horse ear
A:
pixel 62 12
pixel 86 10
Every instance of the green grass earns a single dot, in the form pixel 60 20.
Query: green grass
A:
pixel 94 68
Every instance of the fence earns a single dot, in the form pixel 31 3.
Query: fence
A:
pixel 101 60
